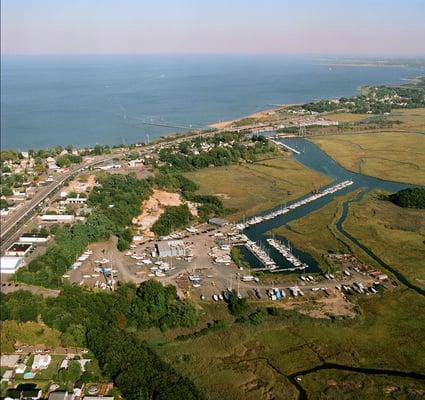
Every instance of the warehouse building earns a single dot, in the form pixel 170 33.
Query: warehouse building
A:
pixel 9 265
pixel 171 248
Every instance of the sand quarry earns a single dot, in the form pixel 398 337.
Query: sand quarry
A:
pixel 152 209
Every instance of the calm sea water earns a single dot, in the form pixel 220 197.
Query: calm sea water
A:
pixel 84 100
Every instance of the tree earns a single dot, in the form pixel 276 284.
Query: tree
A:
pixel 73 371
pixel 75 336
pixel 238 307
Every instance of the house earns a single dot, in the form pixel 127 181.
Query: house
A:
pixel 7 376
pixel 61 396
pixel 20 368
pixel 171 248
pixel 18 249
pixel 41 361
pixel 9 265
pixel 9 360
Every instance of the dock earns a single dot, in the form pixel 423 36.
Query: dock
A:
pixel 286 147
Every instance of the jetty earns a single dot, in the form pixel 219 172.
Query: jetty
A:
pixel 286 146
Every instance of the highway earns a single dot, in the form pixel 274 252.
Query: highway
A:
pixel 14 221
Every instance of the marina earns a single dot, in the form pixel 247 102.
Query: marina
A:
pixel 258 228
pixel 261 254
pixel 286 252
pixel 284 210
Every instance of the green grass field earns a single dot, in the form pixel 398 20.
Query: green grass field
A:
pixel 252 362
pixel 346 117
pixel 398 156
pixel 335 385
pixel 250 188
pixel 395 234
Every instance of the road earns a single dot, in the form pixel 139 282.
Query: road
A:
pixel 12 223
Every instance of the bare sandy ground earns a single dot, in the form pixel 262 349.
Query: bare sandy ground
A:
pixel 75 185
pixel 153 208
pixel 227 124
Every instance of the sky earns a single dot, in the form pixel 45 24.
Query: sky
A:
pixel 367 27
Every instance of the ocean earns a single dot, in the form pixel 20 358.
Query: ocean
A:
pixel 84 100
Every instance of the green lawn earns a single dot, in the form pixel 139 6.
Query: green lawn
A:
pixel 250 188
pixel 398 156
pixel 395 234
pixel 250 362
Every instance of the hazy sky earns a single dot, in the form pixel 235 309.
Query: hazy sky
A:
pixel 213 26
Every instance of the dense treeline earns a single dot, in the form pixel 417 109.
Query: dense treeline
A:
pixel 185 160
pixel 115 201
pixel 173 218
pixel 412 198
pixel 118 198
pixel 107 323
pixel 376 100
pixel 208 206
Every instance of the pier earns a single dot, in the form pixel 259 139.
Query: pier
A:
pixel 286 253
pixel 258 219
pixel 286 147
pixel 261 255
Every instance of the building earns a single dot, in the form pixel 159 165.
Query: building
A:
pixel 20 368
pixel 98 398
pixel 137 239
pixel 109 165
pixel 18 249
pixel 41 361
pixel 34 238
pixel 57 219
pixel 61 396
pixel 218 221
pixel 135 163
pixel 76 200
pixel 9 360
pixel 7 376
pixel 171 248
pixel 9 265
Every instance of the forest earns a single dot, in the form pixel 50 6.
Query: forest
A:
pixel 107 324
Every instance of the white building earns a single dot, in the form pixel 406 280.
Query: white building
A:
pixel 56 218
pixel 33 238
pixel 9 265
pixel 75 200
pixel 41 361
pixel 9 360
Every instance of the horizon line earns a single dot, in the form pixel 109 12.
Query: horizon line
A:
pixel 328 54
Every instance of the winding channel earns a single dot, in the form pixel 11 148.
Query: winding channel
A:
pixel 312 157
pixel 303 395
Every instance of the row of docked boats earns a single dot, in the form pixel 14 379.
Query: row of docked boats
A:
pixel 258 219
pixel 286 253
pixel 261 254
